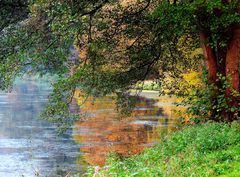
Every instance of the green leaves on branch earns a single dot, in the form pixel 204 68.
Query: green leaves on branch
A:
pixel 211 102
pixel 121 44
pixel 191 17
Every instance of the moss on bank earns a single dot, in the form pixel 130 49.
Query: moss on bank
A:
pixel 211 149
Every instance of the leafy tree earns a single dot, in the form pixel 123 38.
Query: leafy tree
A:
pixel 121 42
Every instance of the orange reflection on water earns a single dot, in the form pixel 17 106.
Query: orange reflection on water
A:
pixel 104 131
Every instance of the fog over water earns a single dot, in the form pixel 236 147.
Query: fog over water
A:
pixel 28 144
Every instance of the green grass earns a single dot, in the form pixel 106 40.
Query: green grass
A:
pixel 211 149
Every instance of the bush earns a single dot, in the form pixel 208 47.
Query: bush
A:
pixel 209 102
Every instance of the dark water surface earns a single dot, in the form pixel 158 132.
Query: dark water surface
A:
pixel 29 145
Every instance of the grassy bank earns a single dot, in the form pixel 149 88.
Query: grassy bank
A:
pixel 211 149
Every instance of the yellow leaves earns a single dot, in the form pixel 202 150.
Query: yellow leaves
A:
pixel 193 79
pixel 91 104
pixel 197 51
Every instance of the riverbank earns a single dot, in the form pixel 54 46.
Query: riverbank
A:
pixel 211 149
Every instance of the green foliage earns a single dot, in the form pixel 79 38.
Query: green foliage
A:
pixel 123 44
pixel 210 149
pixel 210 102
pixel 213 17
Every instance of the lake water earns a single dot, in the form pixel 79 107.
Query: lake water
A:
pixel 29 145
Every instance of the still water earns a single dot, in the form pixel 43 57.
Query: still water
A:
pixel 29 145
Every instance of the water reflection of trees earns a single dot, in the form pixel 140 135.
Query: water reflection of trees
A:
pixel 104 131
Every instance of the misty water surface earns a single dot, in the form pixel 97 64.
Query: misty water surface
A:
pixel 29 145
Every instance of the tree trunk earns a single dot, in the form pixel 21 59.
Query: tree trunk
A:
pixel 210 58
pixel 232 71
pixel 212 67
pixel 232 59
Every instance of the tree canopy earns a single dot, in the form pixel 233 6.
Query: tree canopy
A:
pixel 119 42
